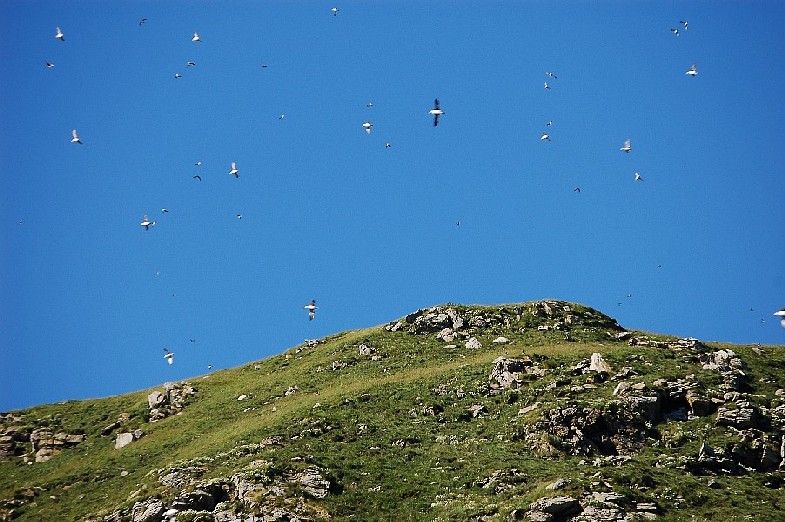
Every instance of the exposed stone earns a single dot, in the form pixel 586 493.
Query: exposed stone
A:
pixel 501 340
pixel 148 511
pixel 473 344
pixel 313 483
pixel 366 350
pixel 559 507
pixel 447 335
pixel 598 364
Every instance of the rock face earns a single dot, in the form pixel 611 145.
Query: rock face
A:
pixel 126 438
pixel 170 401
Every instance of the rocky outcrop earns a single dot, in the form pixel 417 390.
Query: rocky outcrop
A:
pixel 171 401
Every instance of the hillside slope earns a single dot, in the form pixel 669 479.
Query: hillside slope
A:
pixel 544 411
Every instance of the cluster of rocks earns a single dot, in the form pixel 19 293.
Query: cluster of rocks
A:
pixel 255 494
pixel 171 401
pixel 510 373
pixel 31 444
pixel 451 323
pixel 595 506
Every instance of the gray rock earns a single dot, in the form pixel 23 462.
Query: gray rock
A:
pixel 156 399
pixel 366 350
pixel 447 335
pixel 559 507
pixel 598 364
pixel 313 483
pixel 507 373
pixel 148 511
pixel 473 344
pixel 501 340
pixel 123 440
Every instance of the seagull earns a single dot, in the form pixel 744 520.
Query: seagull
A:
pixel 165 210
pixel 781 313
pixel 685 23
pixel 50 64
pixel 59 34
pixel 198 163
pixel 546 86
pixel 638 177
pixel 282 116
pixel 550 74
pixel 335 11
pixel 198 177
pixel 387 145
pixel 196 38
pixel 546 137
pixel 550 122
pixel 146 223
pixel 143 20
pixel 577 189
pixel 627 147
pixel 235 171
pixel 370 104
pixel 264 66
pixel 209 366
pixel 192 340
pixel 189 64
pixel 169 356
pixel 693 70
pixel 675 31
pixel 311 309
pixel 239 216
pixel 177 75
pixel 367 126
pixel 436 111
pixel 75 138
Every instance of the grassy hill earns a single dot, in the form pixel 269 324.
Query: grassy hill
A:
pixel 536 411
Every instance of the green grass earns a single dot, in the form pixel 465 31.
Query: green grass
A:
pixel 393 435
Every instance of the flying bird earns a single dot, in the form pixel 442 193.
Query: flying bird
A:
pixel 781 313
pixel 335 10
pixel 146 223
pixel 198 163
pixel 198 177
pixel 235 171
pixel 50 64
pixel 627 147
pixel 387 145
pixel 282 116
pixel 165 210
pixel 546 137
pixel 675 31
pixel 169 356
pixel 638 177
pixel 311 309
pixel 550 122
pixel 546 86
pixel 550 74
pixel 75 138
pixel 59 35
pixel 142 21
pixel 685 23
pixel 239 216
pixel 177 75
pixel 367 126
pixel 196 38
pixel 189 64
pixel 436 111
pixel 370 104
pixel 577 189
pixel 693 71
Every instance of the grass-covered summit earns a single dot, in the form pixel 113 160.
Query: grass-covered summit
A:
pixel 537 411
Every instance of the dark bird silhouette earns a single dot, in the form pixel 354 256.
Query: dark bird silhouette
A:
pixel 436 111
pixel 198 177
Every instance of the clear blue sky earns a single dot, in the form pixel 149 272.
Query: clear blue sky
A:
pixel 89 299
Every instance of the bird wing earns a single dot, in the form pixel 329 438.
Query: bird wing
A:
pixel 234 167
pixel 435 120
pixel 73 133
pixel 198 177
pixel 436 104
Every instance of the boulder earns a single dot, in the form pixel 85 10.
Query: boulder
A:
pixel 473 344
pixel 148 511
pixel 598 364
pixel 559 507
pixel 313 483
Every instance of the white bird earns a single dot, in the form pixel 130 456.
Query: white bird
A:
pixel 198 163
pixel 196 38
pixel 436 111
pixel 627 147
pixel 546 86
pixel 189 64
pixel 177 75
pixel 693 71
pixel 546 137
pixel 335 10
pixel 235 171
pixel 59 35
pixel 75 138
pixel 638 177
pixel 685 23
pixel 169 356
pixel 781 313
pixel 675 31
pixel 550 122
pixel 387 145
pixel 165 210
pixel 370 104
pixel 367 126
pixel 50 64
pixel 311 309
pixel 282 116
pixel 146 223
pixel 550 74
pixel 239 216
